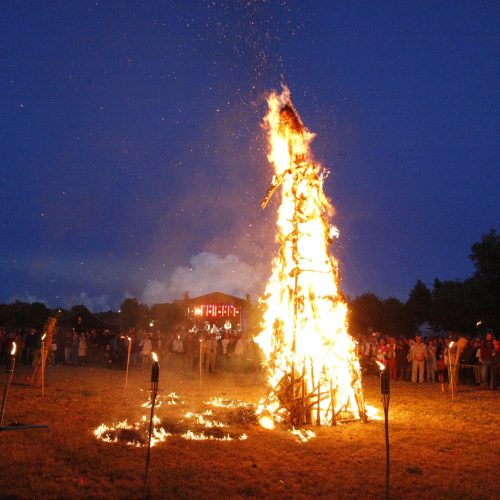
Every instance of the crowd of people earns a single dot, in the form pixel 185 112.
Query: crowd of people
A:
pixel 425 359
pixel 220 348
pixel 224 347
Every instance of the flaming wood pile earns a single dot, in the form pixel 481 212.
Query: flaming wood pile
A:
pixel 313 370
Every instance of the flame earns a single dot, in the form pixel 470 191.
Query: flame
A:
pixel 137 433
pixel 304 435
pixel 451 344
pixel 155 357
pixel 267 422
pixel 380 365
pixel 313 369
pixel 14 349
pixel 43 336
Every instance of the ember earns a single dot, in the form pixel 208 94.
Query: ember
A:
pixel 202 426
pixel 313 369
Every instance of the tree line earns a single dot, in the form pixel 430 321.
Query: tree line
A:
pixel 465 306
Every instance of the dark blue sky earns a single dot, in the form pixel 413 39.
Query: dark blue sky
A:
pixel 133 161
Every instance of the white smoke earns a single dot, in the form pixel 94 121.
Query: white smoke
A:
pixel 207 273
pixel 96 304
pixel 27 298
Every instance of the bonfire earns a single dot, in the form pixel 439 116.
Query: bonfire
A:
pixel 313 370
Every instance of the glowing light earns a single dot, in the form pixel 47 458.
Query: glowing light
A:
pixel 373 413
pixel 304 435
pixel 136 434
pixel 43 336
pixel 313 369
pixel 155 357
pixel 267 422
pixel 380 365
pixel 216 311
pixel 13 349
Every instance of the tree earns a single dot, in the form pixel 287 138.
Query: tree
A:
pixel 395 320
pixel 419 304
pixel 455 304
pixel 24 315
pixel 366 311
pixel 133 314
pixel 485 255
pixel 166 316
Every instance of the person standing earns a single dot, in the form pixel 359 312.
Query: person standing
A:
pixel 391 358
pixel 382 350
pixel 82 349
pixel 495 365
pixel 418 354
pixel 431 361
pixel 147 349
pixel 486 358
pixel 402 359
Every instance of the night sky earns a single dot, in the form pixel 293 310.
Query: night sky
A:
pixel 134 161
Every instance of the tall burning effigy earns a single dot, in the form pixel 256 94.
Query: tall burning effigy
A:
pixel 313 369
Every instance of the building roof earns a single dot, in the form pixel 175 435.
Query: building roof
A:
pixel 215 298
pixel 88 321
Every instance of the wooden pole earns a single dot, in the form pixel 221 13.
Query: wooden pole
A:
pixel 11 366
pixel 201 357
pixel 332 397
pixel 128 360
pixel 155 376
pixel 42 352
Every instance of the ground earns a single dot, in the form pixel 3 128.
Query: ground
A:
pixel 439 448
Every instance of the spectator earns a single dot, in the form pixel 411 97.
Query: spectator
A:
pixel 441 369
pixel 82 348
pixel 431 361
pixel 146 348
pixel 418 353
pixel 402 359
pixel 382 352
pixel 391 358
pixel 495 365
pixel 486 358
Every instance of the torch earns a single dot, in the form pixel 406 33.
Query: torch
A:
pixel 128 360
pixel 452 378
pixel 385 390
pixel 42 353
pixel 155 376
pixel 10 371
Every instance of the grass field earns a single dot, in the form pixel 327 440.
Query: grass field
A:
pixel 439 448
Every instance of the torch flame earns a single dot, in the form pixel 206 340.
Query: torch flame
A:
pixel 155 357
pixel 451 344
pixel 43 336
pixel 13 350
pixel 380 365
pixel 313 369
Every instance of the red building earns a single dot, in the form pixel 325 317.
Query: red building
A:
pixel 216 308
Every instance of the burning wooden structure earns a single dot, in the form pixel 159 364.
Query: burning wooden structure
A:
pixel 313 370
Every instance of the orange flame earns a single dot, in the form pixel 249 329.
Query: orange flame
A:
pixel 155 357
pixel 380 365
pixel 304 332
pixel 14 349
